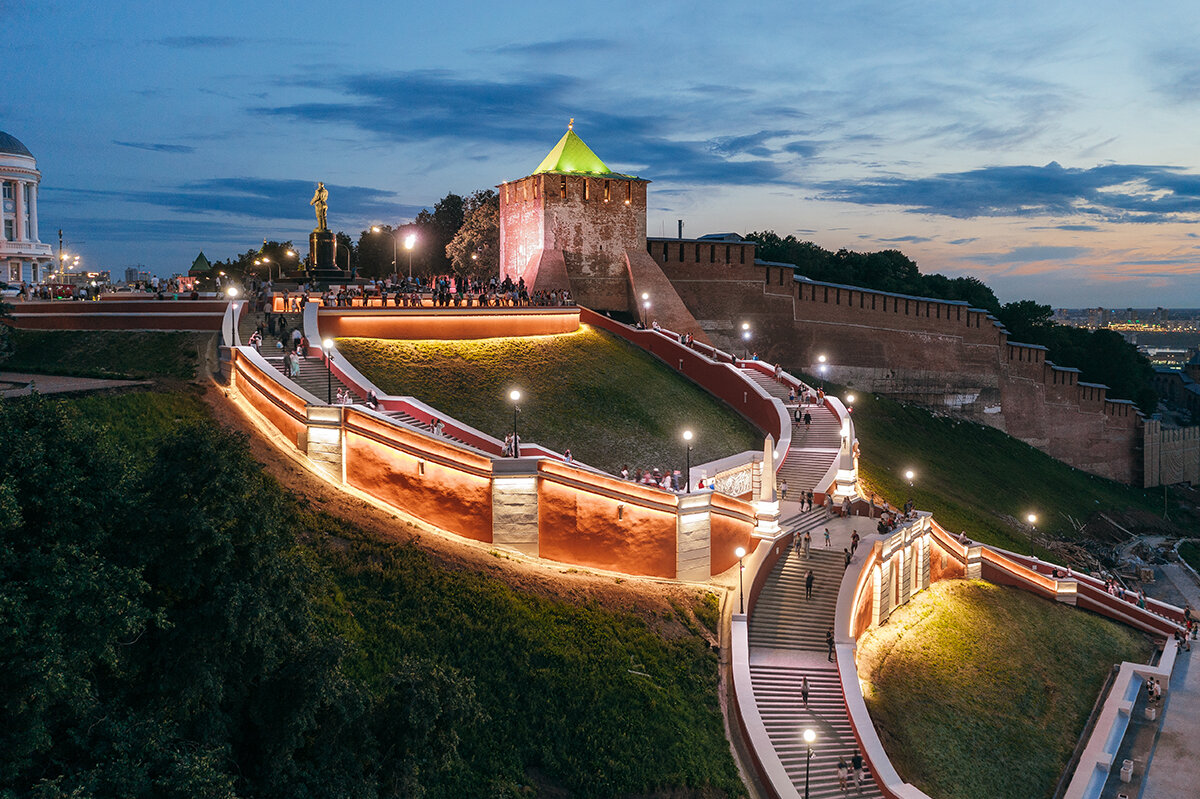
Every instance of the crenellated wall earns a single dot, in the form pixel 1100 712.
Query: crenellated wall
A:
pixel 941 354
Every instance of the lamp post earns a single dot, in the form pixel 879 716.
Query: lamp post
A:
pixel 687 436
pixel 809 737
pixel 327 345
pixel 515 396
pixel 395 256
pixel 746 338
pixel 821 367
pixel 646 309
pixel 232 291
pixel 741 553
pixel 908 475
pixel 1032 518
pixel 409 241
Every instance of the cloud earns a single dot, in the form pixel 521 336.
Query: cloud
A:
pixel 1111 192
pixel 444 107
pixel 908 239
pixel 200 42
pixel 960 242
pixel 155 147
pixel 556 47
pixel 1177 74
pixel 263 199
pixel 803 147
pixel 1035 253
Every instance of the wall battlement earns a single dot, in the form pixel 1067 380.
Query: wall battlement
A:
pixel 942 354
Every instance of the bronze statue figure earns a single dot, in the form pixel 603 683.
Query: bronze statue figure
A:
pixel 320 202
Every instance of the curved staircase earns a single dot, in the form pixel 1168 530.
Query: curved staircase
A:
pixel 787 645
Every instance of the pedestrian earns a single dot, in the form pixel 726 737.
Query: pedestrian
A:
pixel 828 504
pixel 827 537
pixel 807 542
pixel 810 500
pixel 804 690
pixel 846 552
pixel 783 491
pixel 1157 690
pixel 856 768
pixel 567 456
pixel 853 542
pixel 829 643
pixel 845 507
pixel 842 772
pixel 807 420
pixel 808 584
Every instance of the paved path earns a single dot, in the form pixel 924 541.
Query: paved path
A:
pixel 1174 770
pixel 20 384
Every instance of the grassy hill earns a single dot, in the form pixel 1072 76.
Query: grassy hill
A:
pixel 107 353
pixel 978 479
pixel 610 403
pixel 980 691
pixel 575 692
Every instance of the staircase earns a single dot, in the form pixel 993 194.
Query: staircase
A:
pixel 814 450
pixel 783 618
pixel 787 644
pixel 777 694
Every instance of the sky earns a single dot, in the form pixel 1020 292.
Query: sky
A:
pixel 1047 148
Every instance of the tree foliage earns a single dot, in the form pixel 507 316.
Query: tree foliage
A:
pixel 475 248
pixel 158 633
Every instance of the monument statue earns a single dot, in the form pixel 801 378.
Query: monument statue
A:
pixel 320 202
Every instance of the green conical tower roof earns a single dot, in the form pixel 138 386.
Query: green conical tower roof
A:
pixel 201 264
pixel 572 156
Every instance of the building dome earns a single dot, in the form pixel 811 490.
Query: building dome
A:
pixel 12 145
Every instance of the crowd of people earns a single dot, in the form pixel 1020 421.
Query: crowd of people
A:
pixel 443 291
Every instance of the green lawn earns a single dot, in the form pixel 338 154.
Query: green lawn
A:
pixel 137 419
pixel 971 476
pixel 980 691
pixel 610 403
pixel 106 353
pixel 590 700
pixel 1190 552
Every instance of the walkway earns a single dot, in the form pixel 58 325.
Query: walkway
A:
pixel 20 384
pixel 814 450
pixel 787 645
pixel 1174 769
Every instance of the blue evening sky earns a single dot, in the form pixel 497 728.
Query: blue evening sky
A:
pixel 1047 148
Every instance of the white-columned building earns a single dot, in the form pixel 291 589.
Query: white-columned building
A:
pixel 22 256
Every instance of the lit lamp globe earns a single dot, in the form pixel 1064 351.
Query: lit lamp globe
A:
pixel 809 737
pixel 687 435
pixel 232 292
pixel 850 398
pixel 1032 518
pixel 514 395
pixel 820 359
pixel 909 475
pixel 740 552
pixel 327 344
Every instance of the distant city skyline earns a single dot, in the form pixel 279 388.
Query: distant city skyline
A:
pixel 1046 150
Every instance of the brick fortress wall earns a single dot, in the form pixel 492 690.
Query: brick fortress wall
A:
pixel 591 221
pixel 942 355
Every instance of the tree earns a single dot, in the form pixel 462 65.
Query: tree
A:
pixel 475 249
pixel 6 337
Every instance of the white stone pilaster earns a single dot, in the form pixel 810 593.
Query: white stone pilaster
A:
pixel 19 210
pixel 33 222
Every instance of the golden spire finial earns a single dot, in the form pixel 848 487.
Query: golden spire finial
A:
pixel 571 124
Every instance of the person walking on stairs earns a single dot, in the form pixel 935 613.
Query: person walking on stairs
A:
pixel 856 768
pixel 807 420
pixel 783 491
pixel 804 690
pixel 808 584
pixel 807 542
pixel 842 767
pixel 827 537
pixel 829 643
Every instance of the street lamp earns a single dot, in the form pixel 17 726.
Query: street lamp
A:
pixel 1032 519
pixel 849 399
pixel 327 345
pixel 378 229
pixel 746 338
pixel 409 241
pixel 908 475
pixel 809 737
pixel 687 436
pixel 515 396
pixel 741 553
pixel 232 292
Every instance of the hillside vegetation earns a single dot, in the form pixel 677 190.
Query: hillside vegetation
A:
pixel 173 622
pixel 976 478
pixel 980 691
pixel 610 403
pixel 107 353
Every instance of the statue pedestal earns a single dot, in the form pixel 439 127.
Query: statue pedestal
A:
pixel 322 252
